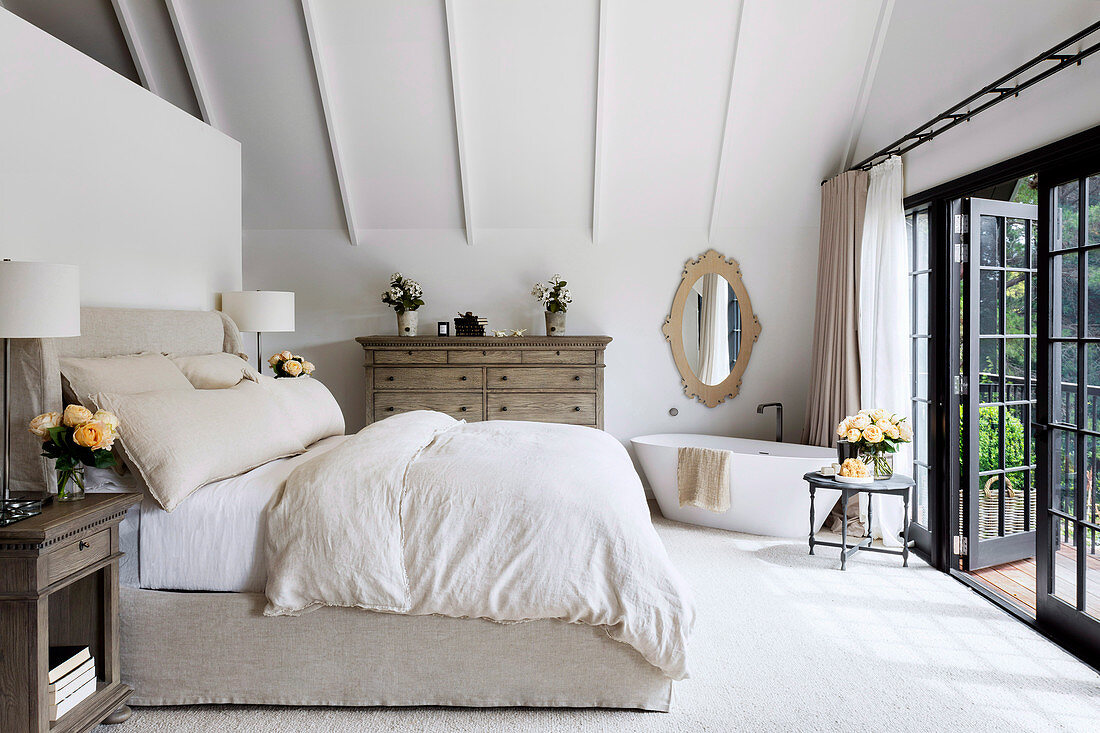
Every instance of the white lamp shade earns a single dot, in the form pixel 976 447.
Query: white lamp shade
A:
pixel 260 310
pixel 39 300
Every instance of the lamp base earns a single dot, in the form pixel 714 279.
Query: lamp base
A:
pixel 16 510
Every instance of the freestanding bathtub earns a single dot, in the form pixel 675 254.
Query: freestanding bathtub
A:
pixel 767 493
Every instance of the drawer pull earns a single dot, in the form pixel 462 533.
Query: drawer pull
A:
pixel 389 409
pixel 484 353
pixel 410 352
pixel 577 378
pixel 463 408
pixel 463 377
pixel 504 409
pixel 389 379
pixel 576 409
pixel 82 545
pixel 504 378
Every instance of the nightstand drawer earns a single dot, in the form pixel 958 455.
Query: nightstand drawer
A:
pixel 484 356
pixel 577 409
pixel 540 378
pixel 459 405
pixel 76 555
pixel 427 378
pixel 411 356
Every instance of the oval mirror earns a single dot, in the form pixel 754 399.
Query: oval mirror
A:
pixel 711 328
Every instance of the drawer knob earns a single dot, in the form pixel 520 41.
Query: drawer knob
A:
pixel 410 352
pixel 389 379
pixel 82 545
pixel 576 409
pixel 557 353
pixel 484 353
pixel 504 378
pixel 463 377
pixel 463 408
pixel 577 378
pixel 389 409
pixel 504 409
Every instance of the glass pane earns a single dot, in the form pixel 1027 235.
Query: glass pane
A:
pixel 1017 425
pixel 920 373
pixel 991 241
pixel 1066 216
pixel 1016 243
pixel 1016 297
pixel 1092 388
pixel 1064 471
pixel 921 259
pixel 1016 370
pixel 1092 292
pixel 1093 214
pixel 921 495
pixel 1064 577
pixel 990 304
pixel 1016 519
pixel 1064 282
pixel 989 370
pixel 1091 540
pixel 989 439
pixel 920 303
pixel 1064 399
pixel 1034 239
pixel 920 428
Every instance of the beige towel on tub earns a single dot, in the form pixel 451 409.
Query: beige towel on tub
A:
pixel 703 478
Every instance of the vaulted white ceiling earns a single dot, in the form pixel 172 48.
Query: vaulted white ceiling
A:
pixel 574 115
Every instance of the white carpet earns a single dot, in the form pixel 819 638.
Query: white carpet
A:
pixel 784 642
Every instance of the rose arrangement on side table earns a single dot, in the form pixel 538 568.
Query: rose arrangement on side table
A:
pixel 877 435
pixel 74 439
pixel 288 365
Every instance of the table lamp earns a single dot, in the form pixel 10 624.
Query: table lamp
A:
pixel 260 311
pixel 37 300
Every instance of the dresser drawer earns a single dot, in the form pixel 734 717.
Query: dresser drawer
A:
pixel 484 356
pixel 579 409
pixel 77 555
pixel 459 405
pixel 411 356
pixel 540 378
pixel 427 378
pixel 559 356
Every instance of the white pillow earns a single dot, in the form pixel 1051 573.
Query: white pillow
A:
pixel 307 406
pixel 180 440
pixel 214 371
pixel 87 376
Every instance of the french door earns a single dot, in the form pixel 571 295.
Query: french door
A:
pixel 1068 572
pixel 997 495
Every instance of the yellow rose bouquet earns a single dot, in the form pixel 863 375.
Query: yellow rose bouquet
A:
pixel 876 435
pixel 288 365
pixel 76 438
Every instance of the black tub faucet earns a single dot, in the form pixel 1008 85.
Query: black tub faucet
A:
pixel 778 417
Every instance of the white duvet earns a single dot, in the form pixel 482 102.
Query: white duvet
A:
pixel 506 521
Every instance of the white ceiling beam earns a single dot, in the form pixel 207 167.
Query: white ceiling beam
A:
pixel 597 156
pixel 719 177
pixel 870 68
pixel 184 37
pixel 456 96
pixel 133 42
pixel 329 110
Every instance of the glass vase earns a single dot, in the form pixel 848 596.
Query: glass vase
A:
pixel 880 463
pixel 70 484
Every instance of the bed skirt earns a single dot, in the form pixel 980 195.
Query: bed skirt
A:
pixel 197 648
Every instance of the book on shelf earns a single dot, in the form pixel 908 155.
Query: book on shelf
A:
pixel 76 697
pixel 64 659
pixel 70 682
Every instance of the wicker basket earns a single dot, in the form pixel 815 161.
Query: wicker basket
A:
pixel 1016 514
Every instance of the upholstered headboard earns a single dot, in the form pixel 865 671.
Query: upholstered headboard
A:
pixel 36 375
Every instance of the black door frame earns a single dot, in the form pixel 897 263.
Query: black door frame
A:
pixel 944 352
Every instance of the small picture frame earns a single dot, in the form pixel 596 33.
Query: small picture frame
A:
pixel 443 328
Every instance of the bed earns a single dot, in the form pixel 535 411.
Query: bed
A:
pixel 192 623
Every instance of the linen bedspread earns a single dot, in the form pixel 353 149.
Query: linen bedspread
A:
pixel 505 521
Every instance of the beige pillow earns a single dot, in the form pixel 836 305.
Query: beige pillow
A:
pixel 87 376
pixel 307 406
pixel 179 440
pixel 214 371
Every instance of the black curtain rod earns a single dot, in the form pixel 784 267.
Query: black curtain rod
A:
pixel 953 116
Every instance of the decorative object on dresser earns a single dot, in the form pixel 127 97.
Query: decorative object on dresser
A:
pixel 557 298
pixel 467 324
pixel 443 328
pixel 74 439
pixel 37 300
pixel 59 587
pixel 288 366
pixel 513 378
pixel 405 296
pixel 270 311
pixel 711 328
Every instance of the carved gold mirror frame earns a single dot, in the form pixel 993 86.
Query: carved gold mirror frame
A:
pixel 709 262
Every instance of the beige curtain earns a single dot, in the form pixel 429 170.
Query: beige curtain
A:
pixel 834 364
pixel 714 348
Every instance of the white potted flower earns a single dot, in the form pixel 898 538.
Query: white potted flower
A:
pixel 405 297
pixel 556 298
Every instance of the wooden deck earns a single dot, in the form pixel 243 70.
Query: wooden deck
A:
pixel 1017 580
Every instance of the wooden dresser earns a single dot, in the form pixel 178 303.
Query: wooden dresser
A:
pixel 546 379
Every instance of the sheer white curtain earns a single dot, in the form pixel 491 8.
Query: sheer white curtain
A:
pixel 884 324
pixel 714 346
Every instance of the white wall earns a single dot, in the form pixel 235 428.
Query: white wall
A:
pixel 97 172
pixel 963 47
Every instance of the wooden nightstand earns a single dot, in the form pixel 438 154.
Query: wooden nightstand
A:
pixel 59 585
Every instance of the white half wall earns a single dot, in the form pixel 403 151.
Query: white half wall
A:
pixel 622 288
pixel 97 172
